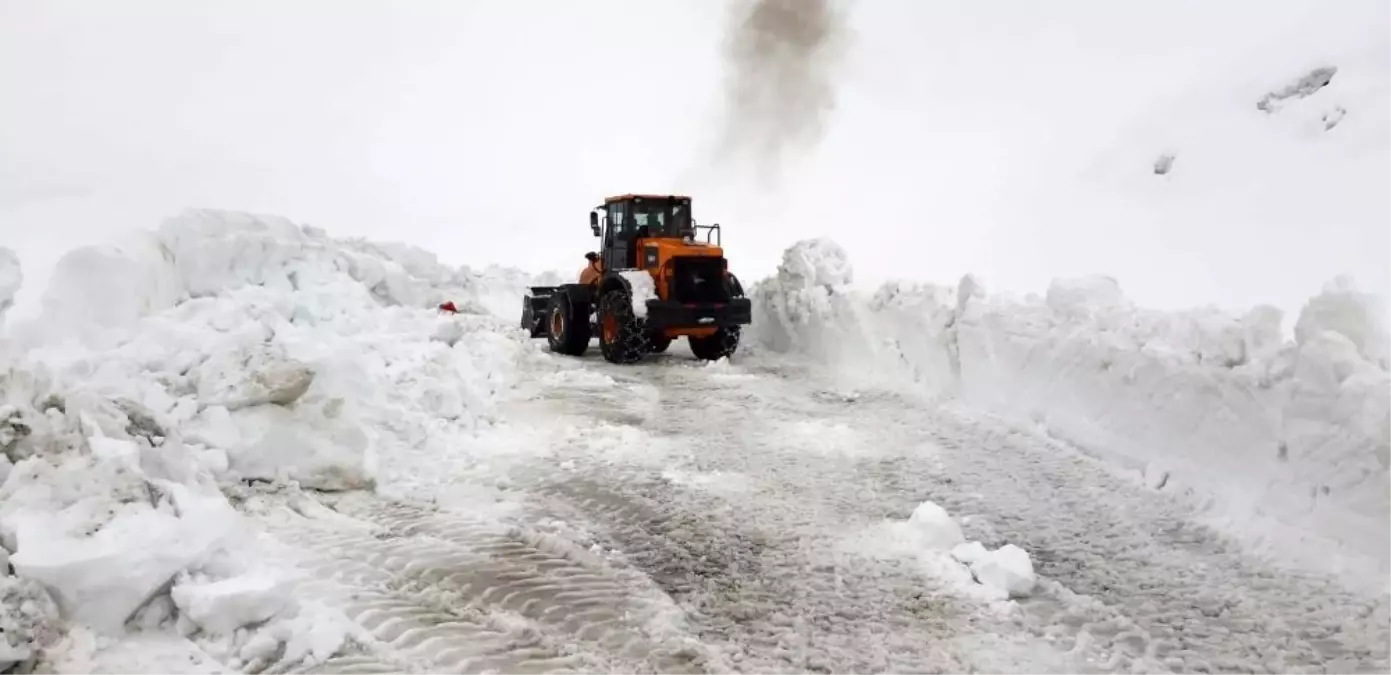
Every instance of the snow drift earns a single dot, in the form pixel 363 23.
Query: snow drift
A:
pixel 179 366
pixel 1274 436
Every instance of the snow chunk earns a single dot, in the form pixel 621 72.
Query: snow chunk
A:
pixel 1344 310
pixel 969 553
pixel 220 607
pixel 257 375
pixel 1007 570
pixel 214 251
pixel 29 620
pixel 934 528
pixel 644 289
pixel 317 447
pixel 102 573
pixel 814 263
pixel 111 286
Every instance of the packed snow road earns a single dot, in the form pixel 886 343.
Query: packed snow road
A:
pixel 679 517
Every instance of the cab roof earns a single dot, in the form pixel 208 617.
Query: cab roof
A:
pixel 619 198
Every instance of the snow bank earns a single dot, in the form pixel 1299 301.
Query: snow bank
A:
pixel 1282 440
pixel 222 351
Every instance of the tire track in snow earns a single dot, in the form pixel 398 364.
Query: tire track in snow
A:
pixel 439 591
pixel 1136 575
pixel 759 572
pixel 762 596
pixel 1128 579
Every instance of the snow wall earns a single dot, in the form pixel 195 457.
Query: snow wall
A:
pixel 1282 441
pixel 170 373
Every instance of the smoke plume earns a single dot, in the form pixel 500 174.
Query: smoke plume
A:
pixel 779 84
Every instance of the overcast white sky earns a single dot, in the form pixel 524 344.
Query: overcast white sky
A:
pixel 484 131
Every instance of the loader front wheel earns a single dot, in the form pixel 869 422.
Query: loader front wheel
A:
pixel 658 343
pixel 568 329
pixel 721 344
pixel 622 335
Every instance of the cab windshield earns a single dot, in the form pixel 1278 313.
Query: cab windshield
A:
pixel 662 217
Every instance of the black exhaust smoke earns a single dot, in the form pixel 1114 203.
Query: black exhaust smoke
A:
pixel 779 86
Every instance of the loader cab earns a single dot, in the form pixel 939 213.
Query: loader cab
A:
pixel 622 220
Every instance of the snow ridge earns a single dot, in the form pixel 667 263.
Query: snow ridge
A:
pixel 1284 441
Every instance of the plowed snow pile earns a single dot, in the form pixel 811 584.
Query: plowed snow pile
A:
pixel 1284 441
pixel 183 368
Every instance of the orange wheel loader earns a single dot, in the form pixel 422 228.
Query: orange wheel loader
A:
pixel 692 292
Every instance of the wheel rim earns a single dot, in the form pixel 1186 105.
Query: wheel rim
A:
pixel 610 328
pixel 556 322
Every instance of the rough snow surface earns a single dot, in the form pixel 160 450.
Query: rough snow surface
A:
pixel 29 619
pixel 1285 441
pixel 643 288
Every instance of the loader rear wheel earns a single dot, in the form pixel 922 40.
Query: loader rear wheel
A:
pixel 722 343
pixel 569 329
pixel 622 335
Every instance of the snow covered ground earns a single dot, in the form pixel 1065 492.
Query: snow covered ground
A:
pixel 235 444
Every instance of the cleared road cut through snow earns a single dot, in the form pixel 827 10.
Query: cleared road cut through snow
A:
pixel 237 444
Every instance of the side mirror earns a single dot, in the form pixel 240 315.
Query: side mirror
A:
pixel 594 222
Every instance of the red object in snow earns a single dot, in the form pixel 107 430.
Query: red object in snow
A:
pixel 449 307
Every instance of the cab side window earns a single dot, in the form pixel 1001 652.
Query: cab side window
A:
pixel 617 219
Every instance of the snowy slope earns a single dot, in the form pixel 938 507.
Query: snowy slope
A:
pixel 1285 441
pixel 170 371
